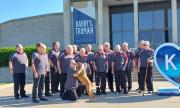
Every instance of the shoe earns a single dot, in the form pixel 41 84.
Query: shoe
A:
pixel 98 93
pixel 35 100
pixel 104 92
pixel 24 96
pixel 140 91
pixel 125 92
pixel 150 92
pixel 129 90
pixel 49 95
pixel 117 92
pixel 112 91
pixel 137 89
pixel 43 99
pixel 17 98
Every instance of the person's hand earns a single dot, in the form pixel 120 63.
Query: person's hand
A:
pixel 74 75
pixel 124 68
pixel 11 71
pixel 35 75
pixel 59 71
pixel 112 71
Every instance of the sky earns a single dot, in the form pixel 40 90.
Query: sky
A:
pixel 13 9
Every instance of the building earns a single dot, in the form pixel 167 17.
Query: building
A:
pixel 116 21
pixel 157 21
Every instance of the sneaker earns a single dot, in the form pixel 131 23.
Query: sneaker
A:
pixel 35 101
pixel 43 99
pixel 104 92
pixel 117 92
pixel 24 96
pixel 150 92
pixel 140 91
pixel 98 93
pixel 17 97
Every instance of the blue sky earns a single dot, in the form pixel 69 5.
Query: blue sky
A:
pixel 12 9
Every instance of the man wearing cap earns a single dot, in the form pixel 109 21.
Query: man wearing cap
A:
pixel 145 64
pixel 18 63
pixel 53 57
pixel 109 54
pixel 100 66
pixel 119 64
pixel 39 69
pixel 130 65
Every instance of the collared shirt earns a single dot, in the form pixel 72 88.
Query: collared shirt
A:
pixel 18 62
pixel 109 55
pixel 131 57
pixel 84 60
pixel 144 55
pixel 40 62
pixel 100 60
pixel 64 61
pixel 53 56
pixel 119 60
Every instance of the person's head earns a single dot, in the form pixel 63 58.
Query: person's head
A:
pixel 19 48
pixel 72 63
pixel 44 48
pixel 69 50
pixel 118 48
pixel 141 44
pixel 100 49
pixel 82 52
pixel 88 48
pixel 39 47
pixel 146 45
pixel 125 46
pixel 106 46
pixel 56 45
pixel 74 49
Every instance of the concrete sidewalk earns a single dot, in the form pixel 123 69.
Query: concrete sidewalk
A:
pixel 132 100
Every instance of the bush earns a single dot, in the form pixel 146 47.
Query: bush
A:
pixel 6 52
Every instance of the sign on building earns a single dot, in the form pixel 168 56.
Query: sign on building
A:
pixel 84 22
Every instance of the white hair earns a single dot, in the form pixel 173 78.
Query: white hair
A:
pixel 125 43
pixel 146 42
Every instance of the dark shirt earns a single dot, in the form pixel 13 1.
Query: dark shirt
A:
pixel 131 57
pixel 84 60
pixel 64 61
pixel 18 62
pixel 100 60
pixel 109 55
pixel 71 81
pixel 119 60
pixel 144 55
pixel 53 56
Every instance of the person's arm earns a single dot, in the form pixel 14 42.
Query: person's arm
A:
pixel 10 67
pixel 59 68
pixel 125 61
pixel 34 70
pixel 112 66
pixel 27 62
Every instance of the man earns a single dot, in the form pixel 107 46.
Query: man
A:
pixel 82 58
pixel 119 64
pixel 100 66
pixel 18 63
pixel 39 68
pixel 71 83
pixel 145 64
pixel 90 56
pixel 130 65
pixel 47 77
pixel 109 54
pixel 63 64
pixel 53 57
pixel 137 54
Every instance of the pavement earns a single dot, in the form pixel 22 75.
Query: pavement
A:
pixel 111 100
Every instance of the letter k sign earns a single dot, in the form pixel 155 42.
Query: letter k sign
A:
pixel 169 61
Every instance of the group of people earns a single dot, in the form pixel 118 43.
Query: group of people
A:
pixel 55 69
